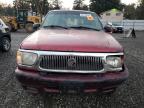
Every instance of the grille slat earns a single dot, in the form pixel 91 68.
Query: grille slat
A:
pixel 61 62
pixel 98 61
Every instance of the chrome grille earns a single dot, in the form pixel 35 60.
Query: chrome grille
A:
pixel 64 62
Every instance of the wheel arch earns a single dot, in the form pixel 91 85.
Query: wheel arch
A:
pixel 7 36
pixel 29 22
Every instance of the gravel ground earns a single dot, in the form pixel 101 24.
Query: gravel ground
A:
pixel 128 95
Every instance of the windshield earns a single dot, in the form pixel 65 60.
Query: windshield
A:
pixel 116 24
pixel 72 19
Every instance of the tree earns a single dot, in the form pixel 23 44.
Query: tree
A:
pixel 6 10
pixel 56 4
pixel 21 4
pixel 100 6
pixel 41 7
pixel 9 10
pixel 0 6
pixel 140 10
pixel 130 11
pixel 85 7
pixel 79 5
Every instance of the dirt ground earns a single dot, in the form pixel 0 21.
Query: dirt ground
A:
pixel 128 95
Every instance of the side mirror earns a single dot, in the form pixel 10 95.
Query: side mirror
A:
pixel 36 27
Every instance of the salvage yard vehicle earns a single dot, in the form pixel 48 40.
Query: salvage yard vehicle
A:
pixel 22 20
pixel 114 27
pixel 71 53
pixel 5 37
pixel 117 28
pixel 108 27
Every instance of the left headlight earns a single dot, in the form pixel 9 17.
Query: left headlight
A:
pixel 3 30
pixel 114 62
pixel 26 58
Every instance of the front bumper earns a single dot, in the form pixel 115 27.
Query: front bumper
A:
pixel 118 30
pixel 59 82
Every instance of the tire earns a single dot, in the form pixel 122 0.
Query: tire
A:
pixel 29 27
pixel 6 44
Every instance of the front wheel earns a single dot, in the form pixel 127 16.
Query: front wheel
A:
pixel 6 45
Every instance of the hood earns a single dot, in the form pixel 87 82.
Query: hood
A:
pixel 71 40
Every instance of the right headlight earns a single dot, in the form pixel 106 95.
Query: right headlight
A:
pixel 26 58
pixel 114 62
pixel 3 30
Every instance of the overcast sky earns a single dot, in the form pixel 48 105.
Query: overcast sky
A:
pixel 69 3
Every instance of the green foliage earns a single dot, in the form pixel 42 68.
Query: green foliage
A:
pixel 130 11
pixel 79 5
pixel 100 6
pixel 135 12
pixel 56 4
pixel 21 4
pixel 39 6
pixel 140 10
pixel 6 10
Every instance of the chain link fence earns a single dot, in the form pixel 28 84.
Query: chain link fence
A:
pixel 128 24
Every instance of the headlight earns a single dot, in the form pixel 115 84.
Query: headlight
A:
pixel 3 30
pixel 114 62
pixel 26 58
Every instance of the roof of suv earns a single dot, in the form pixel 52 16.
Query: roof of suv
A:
pixel 71 11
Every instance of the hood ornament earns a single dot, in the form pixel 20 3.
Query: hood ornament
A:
pixel 71 62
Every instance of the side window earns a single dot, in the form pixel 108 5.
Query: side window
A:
pixel 108 14
pixel 118 14
pixel 97 21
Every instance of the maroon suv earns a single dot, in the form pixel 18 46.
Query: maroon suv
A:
pixel 70 53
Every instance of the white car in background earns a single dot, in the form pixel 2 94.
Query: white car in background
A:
pixel 5 37
pixel 117 28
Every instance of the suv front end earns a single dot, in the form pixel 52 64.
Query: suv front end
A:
pixel 58 72
pixel 71 53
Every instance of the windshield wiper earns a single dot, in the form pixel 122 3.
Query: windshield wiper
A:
pixel 53 26
pixel 83 27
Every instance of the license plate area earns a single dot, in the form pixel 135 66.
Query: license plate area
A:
pixel 71 87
